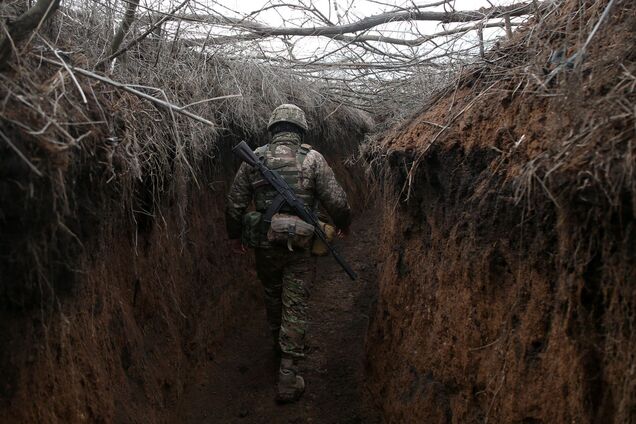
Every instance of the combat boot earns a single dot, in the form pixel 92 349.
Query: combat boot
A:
pixel 290 385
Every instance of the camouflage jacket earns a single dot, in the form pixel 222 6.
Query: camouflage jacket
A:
pixel 317 178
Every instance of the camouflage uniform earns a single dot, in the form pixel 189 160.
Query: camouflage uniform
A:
pixel 283 273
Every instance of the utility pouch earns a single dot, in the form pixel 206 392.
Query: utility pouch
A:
pixel 319 248
pixel 290 231
pixel 252 234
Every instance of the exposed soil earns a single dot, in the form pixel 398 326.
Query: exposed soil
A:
pixel 237 384
pixel 507 293
pixel 505 286
pixel 118 346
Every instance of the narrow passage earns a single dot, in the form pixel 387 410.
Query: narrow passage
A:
pixel 238 385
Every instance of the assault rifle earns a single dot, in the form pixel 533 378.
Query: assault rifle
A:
pixel 286 195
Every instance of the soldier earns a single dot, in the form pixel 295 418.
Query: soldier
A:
pixel 284 270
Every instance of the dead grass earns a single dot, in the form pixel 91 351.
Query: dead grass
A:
pixel 74 145
pixel 555 108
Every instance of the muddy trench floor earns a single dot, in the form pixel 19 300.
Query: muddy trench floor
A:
pixel 238 384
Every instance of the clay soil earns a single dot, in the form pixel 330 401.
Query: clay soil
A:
pixel 237 383
pixel 501 301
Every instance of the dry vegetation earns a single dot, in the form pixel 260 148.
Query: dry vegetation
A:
pixel 126 96
pixel 519 178
pixel 121 112
pixel 111 199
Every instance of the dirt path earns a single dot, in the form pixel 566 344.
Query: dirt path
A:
pixel 238 386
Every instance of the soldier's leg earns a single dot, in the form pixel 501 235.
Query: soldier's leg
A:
pixel 270 271
pixel 296 277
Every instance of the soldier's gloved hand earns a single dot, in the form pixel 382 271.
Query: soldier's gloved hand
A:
pixel 237 247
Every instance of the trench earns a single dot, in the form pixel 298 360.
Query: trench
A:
pixel 162 325
pixel 497 260
pixel 237 384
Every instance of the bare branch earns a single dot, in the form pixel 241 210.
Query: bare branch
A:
pixel 171 107
pixel 361 38
pixel 259 30
pixel 129 17
pixel 23 27
pixel 116 53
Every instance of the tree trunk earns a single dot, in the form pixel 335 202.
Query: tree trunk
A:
pixel 129 18
pixel 23 27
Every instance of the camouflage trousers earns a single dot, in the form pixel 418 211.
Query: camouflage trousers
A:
pixel 286 277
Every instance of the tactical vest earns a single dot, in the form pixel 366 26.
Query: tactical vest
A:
pixel 288 162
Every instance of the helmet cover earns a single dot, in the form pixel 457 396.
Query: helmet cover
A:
pixel 288 113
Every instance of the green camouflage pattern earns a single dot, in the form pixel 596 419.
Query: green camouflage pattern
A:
pixel 288 113
pixel 286 157
pixel 315 178
pixel 284 275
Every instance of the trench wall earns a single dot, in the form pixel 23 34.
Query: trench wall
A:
pixel 507 258
pixel 112 338
pixel 129 299
pixel 482 314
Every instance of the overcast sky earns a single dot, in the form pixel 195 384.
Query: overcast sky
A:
pixel 357 9
pixel 361 7
pixel 337 11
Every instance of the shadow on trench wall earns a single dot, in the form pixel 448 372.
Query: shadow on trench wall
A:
pixel 128 301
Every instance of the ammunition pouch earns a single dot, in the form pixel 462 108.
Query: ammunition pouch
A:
pixel 290 231
pixel 319 248
pixel 252 229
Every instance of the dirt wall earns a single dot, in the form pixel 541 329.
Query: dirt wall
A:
pixel 508 266
pixel 147 305
pixel 482 317
pixel 143 305
pixel 116 282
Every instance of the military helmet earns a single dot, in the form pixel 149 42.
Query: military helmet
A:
pixel 288 113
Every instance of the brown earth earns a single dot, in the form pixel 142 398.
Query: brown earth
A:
pixel 117 348
pixel 172 329
pixel 507 294
pixel 237 384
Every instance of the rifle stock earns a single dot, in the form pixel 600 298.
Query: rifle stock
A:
pixel 243 151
